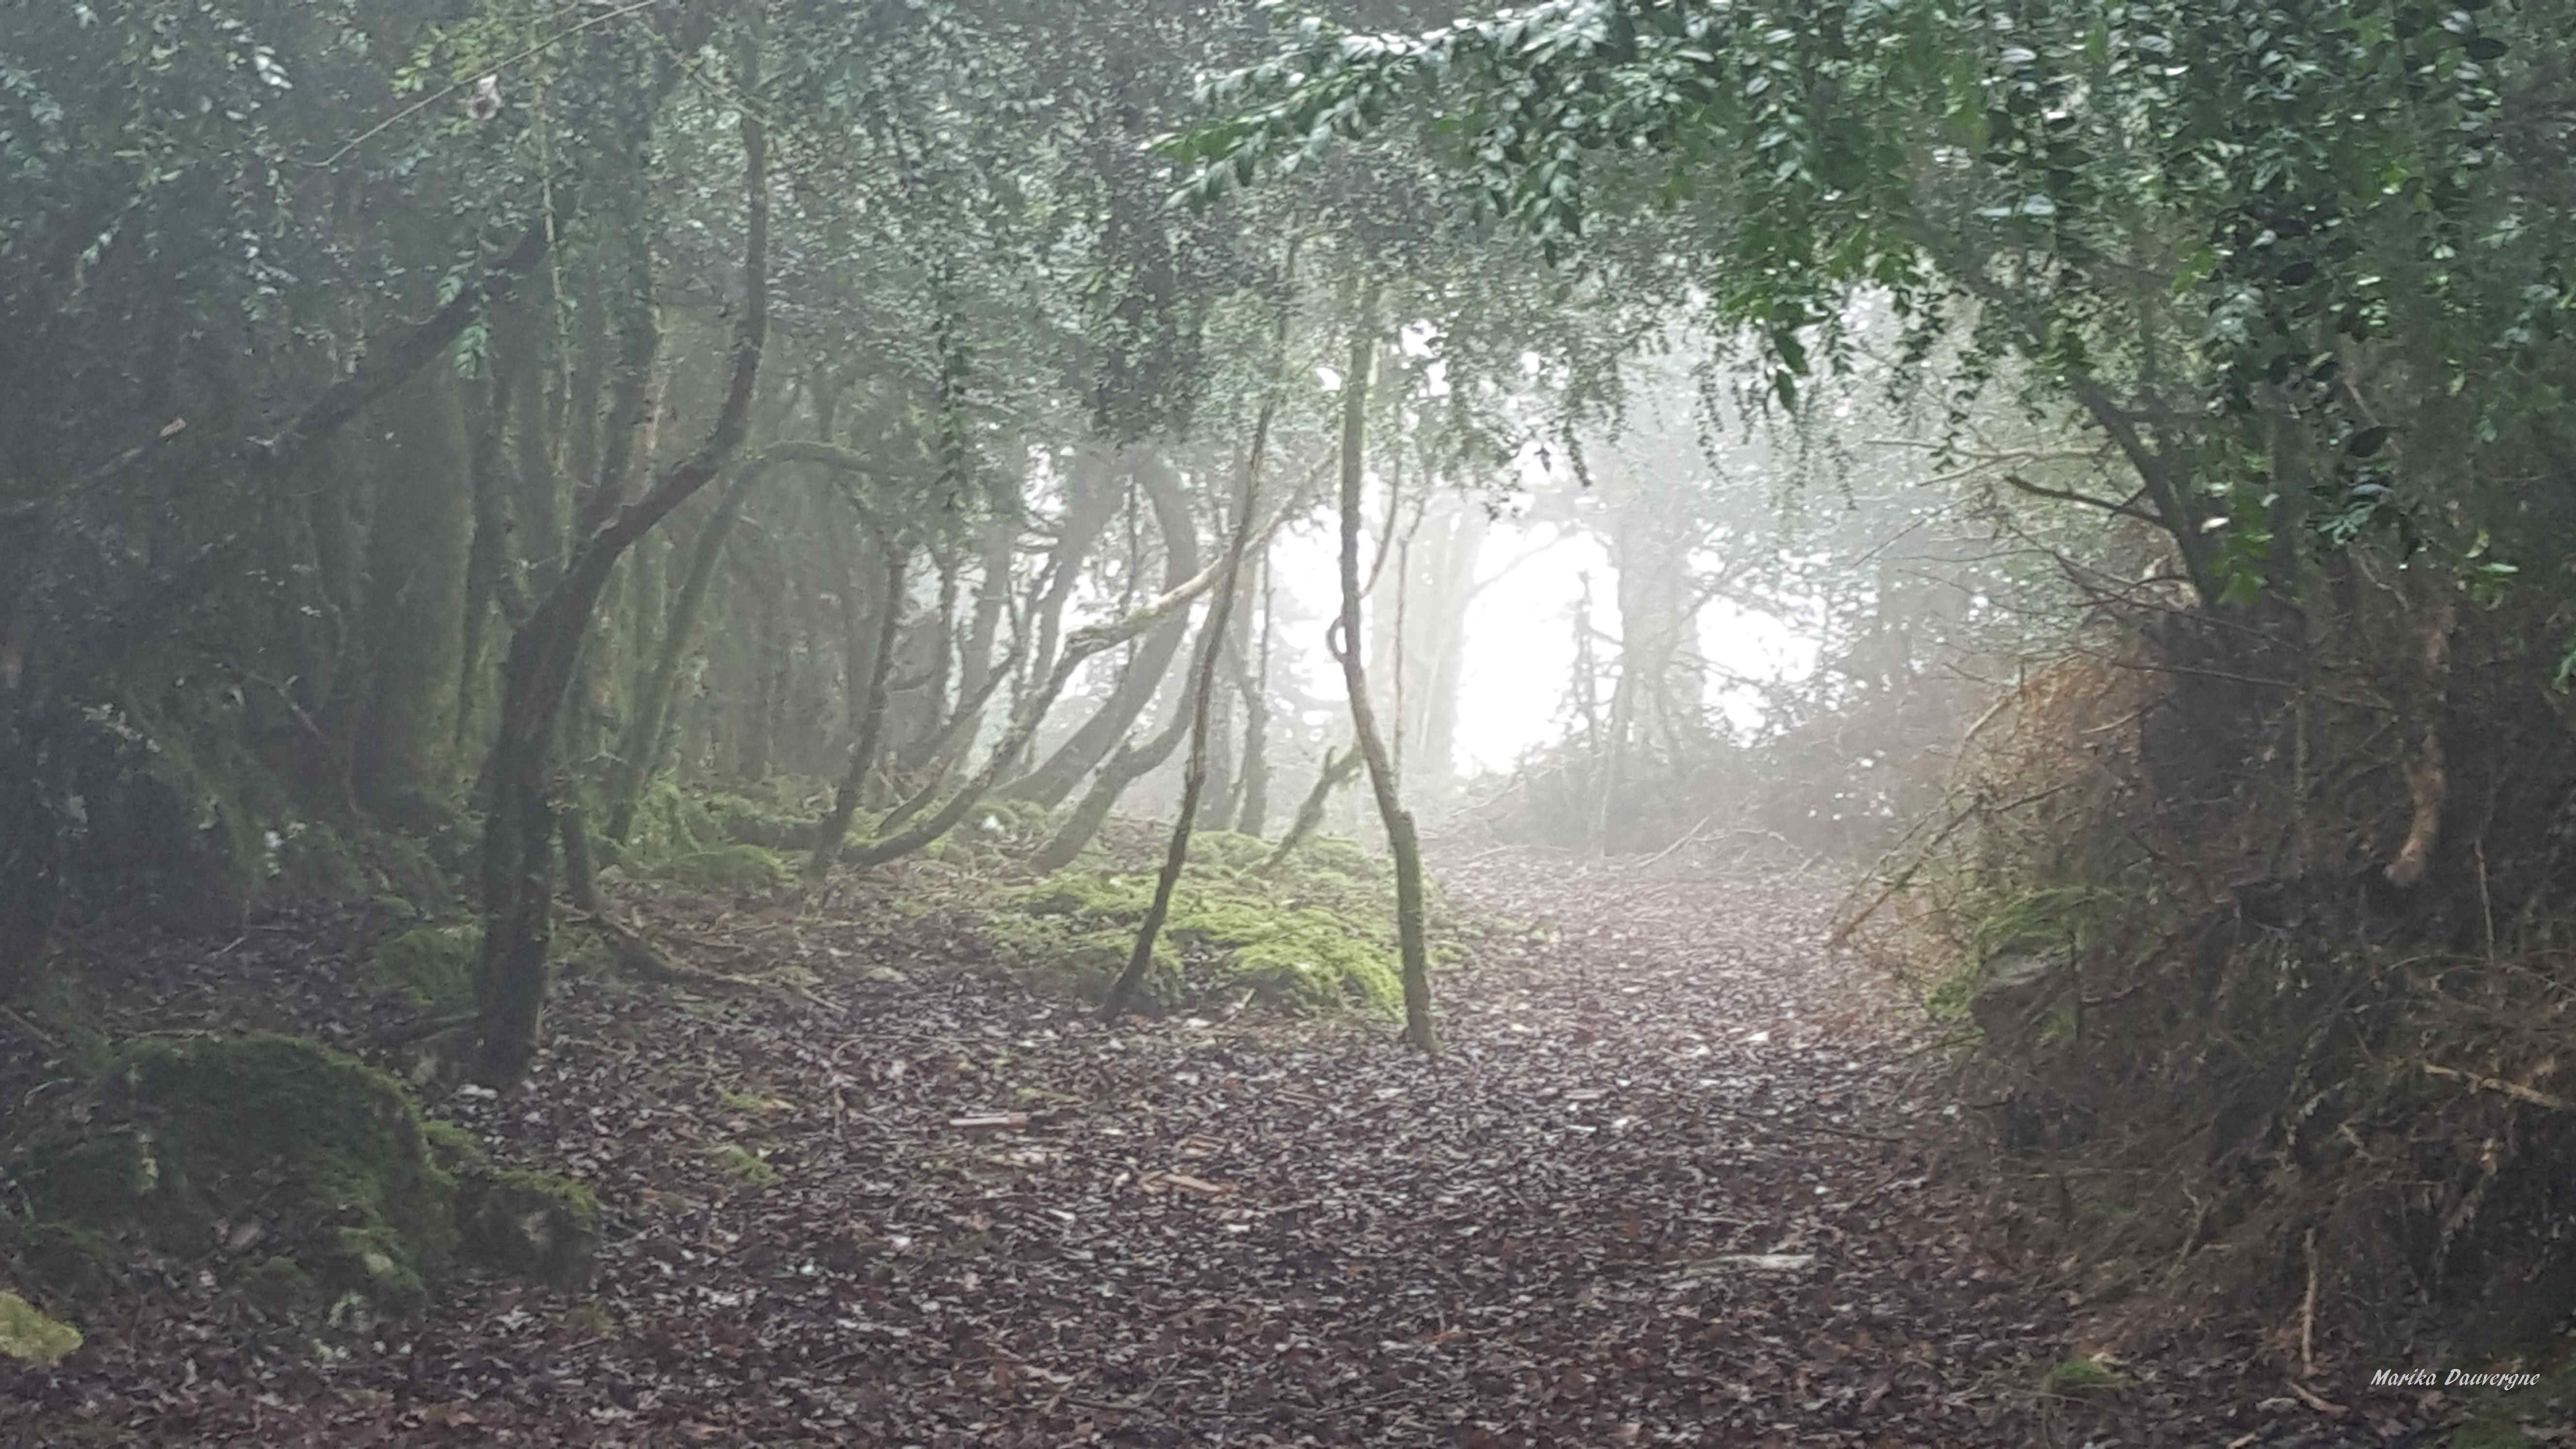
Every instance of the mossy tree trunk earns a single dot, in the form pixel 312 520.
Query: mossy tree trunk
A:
pixel 1401 839
pixel 1203 696
pixel 640 751
pixel 1332 775
pixel 1254 814
pixel 871 728
pixel 544 654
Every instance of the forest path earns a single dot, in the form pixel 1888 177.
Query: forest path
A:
pixel 1640 1200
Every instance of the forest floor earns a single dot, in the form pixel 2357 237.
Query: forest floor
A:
pixel 1670 1183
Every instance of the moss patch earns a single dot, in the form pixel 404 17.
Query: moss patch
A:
pixel 431 965
pixel 1310 938
pixel 671 824
pixel 2078 1376
pixel 726 868
pixel 31 1337
pixel 745 1166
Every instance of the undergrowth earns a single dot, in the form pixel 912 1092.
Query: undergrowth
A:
pixel 2231 1051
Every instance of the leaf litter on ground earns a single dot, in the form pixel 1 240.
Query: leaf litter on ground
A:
pixel 1673 1182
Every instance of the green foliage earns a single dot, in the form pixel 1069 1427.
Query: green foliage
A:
pixel 429 965
pixel 1312 939
pixel 2102 194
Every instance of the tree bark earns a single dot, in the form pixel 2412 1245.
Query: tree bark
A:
pixel 1310 812
pixel 1202 716
pixel 640 753
pixel 871 729
pixel 416 550
pixel 511 983
pixel 1081 645
pixel 1401 840
pixel 1254 815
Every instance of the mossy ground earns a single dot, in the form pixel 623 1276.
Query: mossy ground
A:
pixel 995 833
pixel 1318 936
pixel 721 840
pixel 726 868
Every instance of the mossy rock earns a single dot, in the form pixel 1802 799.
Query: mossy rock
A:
pixel 528 1224
pixel 455 1150
pixel 531 1225
pixel 431 965
pixel 323 1151
pixel 727 868
pixel 30 1337
pixel 359 1203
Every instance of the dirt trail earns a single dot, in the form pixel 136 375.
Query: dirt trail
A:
pixel 1643 1199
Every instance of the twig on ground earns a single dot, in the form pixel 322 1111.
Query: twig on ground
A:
pixel 31 1029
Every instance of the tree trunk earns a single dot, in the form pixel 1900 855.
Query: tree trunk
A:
pixel 1401 840
pixel 511 982
pixel 871 727
pixel 1334 774
pixel 1254 816
pixel 1081 645
pixel 1132 763
pixel 934 701
pixel 992 601
pixel 1202 720
pixel 640 753
pixel 1050 782
pixel 1089 505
